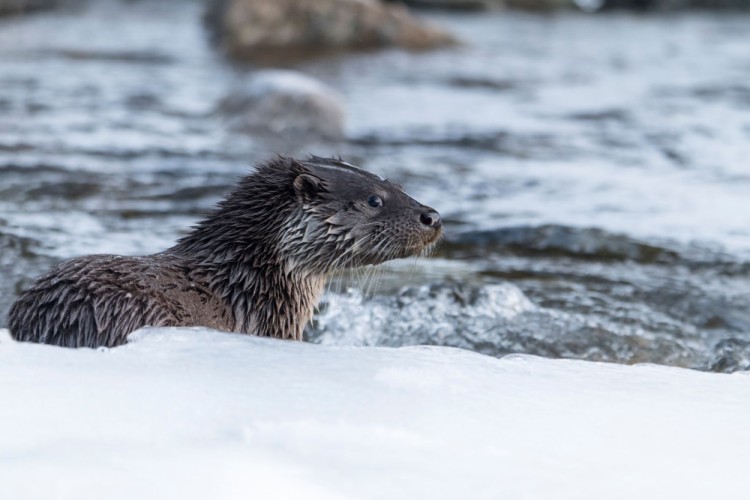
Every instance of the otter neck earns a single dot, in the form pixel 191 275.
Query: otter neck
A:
pixel 235 250
pixel 268 301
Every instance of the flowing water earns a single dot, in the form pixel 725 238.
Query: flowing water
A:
pixel 592 171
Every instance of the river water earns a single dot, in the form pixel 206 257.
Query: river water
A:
pixel 592 171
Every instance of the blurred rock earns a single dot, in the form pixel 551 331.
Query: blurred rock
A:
pixel 285 105
pixel 10 7
pixel 272 29
pixel 539 4
pixel 454 4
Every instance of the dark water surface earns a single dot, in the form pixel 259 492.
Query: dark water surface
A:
pixel 593 171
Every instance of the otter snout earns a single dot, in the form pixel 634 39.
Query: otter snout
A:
pixel 431 225
pixel 430 218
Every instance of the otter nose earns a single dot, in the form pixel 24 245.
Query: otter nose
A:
pixel 430 218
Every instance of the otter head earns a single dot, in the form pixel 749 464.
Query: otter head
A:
pixel 351 217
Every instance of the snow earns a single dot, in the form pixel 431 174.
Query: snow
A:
pixel 195 413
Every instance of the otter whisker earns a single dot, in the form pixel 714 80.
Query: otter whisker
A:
pixel 373 274
pixel 343 259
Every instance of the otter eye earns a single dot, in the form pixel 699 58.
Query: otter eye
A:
pixel 375 201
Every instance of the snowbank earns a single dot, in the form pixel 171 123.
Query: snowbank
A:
pixel 193 413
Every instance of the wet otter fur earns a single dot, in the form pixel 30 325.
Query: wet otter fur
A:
pixel 256 265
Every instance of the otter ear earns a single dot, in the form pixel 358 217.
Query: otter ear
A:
pixel 308 187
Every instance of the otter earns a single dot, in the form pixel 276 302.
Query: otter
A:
pixel 257 264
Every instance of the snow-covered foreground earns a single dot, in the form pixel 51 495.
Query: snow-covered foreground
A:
pixel 192 413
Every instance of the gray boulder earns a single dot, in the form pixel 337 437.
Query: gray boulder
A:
pixel 286 106
pixel 269 29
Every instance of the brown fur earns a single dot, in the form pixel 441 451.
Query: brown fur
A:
pixel 256 265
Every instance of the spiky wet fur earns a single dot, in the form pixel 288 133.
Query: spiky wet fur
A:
pixel 256 265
